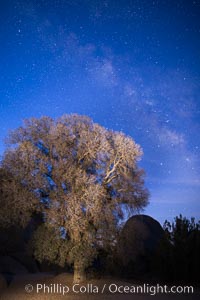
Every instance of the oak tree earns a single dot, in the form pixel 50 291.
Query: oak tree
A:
pixel 15 209
pixel 85 177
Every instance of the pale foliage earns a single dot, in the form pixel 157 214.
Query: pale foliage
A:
pixel 85 176
pixel 16 201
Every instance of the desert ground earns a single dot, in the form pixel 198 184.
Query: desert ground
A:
pixel 17 287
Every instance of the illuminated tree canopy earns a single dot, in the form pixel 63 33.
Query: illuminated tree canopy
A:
pixel 85 178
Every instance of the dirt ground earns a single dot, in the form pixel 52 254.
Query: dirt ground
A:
pixel 47 286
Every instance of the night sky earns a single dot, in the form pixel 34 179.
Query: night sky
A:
pixel 132 66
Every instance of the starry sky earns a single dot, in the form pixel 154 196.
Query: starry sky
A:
pixel 131 65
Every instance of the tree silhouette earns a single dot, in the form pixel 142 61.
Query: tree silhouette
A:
pixel 184 236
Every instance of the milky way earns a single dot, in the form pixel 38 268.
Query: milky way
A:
pixel 132 66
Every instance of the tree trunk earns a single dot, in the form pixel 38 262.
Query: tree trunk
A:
pixel 79 272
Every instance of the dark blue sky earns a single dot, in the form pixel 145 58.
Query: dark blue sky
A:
pixel 130 65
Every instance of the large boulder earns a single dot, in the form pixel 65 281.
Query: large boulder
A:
pixel 138 243
pixel 3 283
pixel 11 240
pixel 9 265
pixel 26 260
